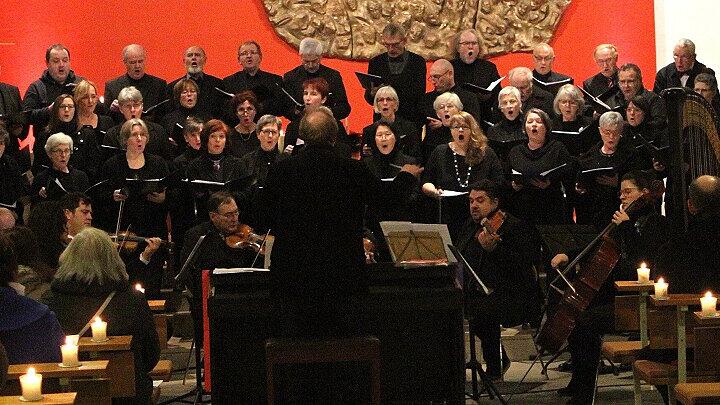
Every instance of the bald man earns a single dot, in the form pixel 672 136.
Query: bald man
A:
pixel 545 78
pixel 210 100
pixel 531 96
pixel 442 77
pixel 151 87
pixel 7 218
pixel 690 261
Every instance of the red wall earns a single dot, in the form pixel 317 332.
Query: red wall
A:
pixel 95 31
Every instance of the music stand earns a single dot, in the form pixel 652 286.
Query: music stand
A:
pixel 417 244
pixel 488 383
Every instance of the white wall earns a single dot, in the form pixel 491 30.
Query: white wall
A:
pixel 698 20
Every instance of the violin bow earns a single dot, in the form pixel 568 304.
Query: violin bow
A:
pixel 260 248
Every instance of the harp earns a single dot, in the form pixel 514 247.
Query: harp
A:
pixel 694 146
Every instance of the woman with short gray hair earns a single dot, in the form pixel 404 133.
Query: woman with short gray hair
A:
pixel 59 178
pixel 386 104
pixel 570 126
pixel 445 105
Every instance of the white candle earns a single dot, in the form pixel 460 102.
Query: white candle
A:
pixel 643 273
pixel 99 330
pixel 69 353
pixel 140 288
pixel 708 303
pixel 661 289
pixel 31 384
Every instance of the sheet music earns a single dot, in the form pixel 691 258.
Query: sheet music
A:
pixel 452 193
pixel 404 226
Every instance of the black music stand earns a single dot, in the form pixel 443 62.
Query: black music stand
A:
pixel 475 368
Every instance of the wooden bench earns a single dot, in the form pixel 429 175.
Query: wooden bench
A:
pixel 288 351
pixel 698 393
pixel 121 362
pixel 90 380
pixel 63 398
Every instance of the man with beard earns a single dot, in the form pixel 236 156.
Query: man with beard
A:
pixel 210 97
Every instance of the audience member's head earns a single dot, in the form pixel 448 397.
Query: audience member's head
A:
pixel 7 218
pixel 91 258
pixel 704 195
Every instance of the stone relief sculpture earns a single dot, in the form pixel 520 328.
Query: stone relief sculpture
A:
pixel 351 29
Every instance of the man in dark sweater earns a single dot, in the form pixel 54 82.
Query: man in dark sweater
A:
pixel 682 72
pixel 442 76
pixel 401 69
pixel 311 51
pixel 57 79
pixel 266 86
pixel 153 89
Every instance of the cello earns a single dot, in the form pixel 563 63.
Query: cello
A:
pixel 596 261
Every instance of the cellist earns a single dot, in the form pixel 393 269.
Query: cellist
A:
pixel 638 237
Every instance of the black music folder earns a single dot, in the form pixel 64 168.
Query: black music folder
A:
pixel 589 176
pixel 369 81
pixel 484 90
pixel 526 178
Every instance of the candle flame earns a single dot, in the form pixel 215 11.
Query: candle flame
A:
pixel 643 265
pixel 69 340
pixel 661 281
pixel 31 371
pixel 98 320
pixel 708 294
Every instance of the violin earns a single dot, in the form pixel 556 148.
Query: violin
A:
pixel 369 248
pixel 492 223
pixel 128 241
pixel 245 238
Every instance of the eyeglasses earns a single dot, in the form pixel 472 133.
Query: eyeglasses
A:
pixel 61 151
pixel 384 134
pixel 248 53
pixel 460 127
pixel 269 132
pixel 245 110
pixel 628 191
pixel 139 135
pixel 132 105
pixel 543 58
pixel 229 215
pixel 683 57
pixel 388 99
pixel 67 106
pixel 438 75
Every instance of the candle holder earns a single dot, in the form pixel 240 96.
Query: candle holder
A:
pixel 31 386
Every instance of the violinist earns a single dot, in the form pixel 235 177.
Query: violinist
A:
pixel 502 253
pixel 639 234
pixel 77 210
pixel 214 252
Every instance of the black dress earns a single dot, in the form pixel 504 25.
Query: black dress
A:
pixel 74 180
pixel 449 171
pixel 535 205
pixel 147 218
pixel 408 136
pixel 241 144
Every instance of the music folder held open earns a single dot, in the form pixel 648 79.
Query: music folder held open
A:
pixel 417 244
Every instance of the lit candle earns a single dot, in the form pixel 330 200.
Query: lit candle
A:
pixel 661 289
pixel 643 273
pixel 31 384
pixel 99 330
pixel 140 288
pixel 708 303
pixel 70 352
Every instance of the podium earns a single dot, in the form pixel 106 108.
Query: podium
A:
pixel 415 312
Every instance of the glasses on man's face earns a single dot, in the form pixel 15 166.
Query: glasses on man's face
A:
pixel 269 132
pixel 543 58
pixel 628 191
pixel 61 152
pixel 248 53
pixel 230 215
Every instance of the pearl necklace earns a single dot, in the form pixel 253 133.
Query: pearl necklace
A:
pixel 463 184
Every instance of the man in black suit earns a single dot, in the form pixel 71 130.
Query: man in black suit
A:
pixel 682 72
pixel 311 51
pixel 314 205
pixel 152 88
pixel 401 69
pixel 543 75
pixel 606 56
pixel 442 76
pixel 210 97
pixel 531 96
pixel 265 85
pixel 13 119
pixel 57 79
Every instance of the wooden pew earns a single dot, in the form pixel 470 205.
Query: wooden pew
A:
pixel 63 398
pixel 121 362
pixel 90 380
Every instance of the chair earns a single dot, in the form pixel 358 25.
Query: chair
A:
pixel 698 393
pixel 289 351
